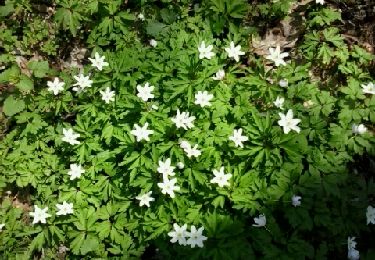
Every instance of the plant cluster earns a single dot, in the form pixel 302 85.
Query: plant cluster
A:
pixel 172 138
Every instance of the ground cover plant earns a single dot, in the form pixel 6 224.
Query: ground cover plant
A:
pixel 215 129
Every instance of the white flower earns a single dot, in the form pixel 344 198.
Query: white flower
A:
pixel 178 234
pixel 180 165
pixel 189 150
pixel 351 243
pixel 75 171
pixel 238 138
pixel 39 215
pixel 283 83
pixel 368 88
pixel 320 2
pixel 165 168
pixel 55 86
pixel 276 56
pixel 359 129
pixel 220 74
pixel 205 52
pixel 82 82
pixel 64 208
pixel 145 199
pixel 183 120
pixel 296 200
pixel 141 17
pixel 107 95
pixel 141 132
pixel 154 107
pixel 168 187
pixel 234 51
pixel 370 215
pixel 203 98
pixel 221 178
pixel 279 102
pixel 144 93
pixel 353 254
pixel 260 221
pixel 288 122
pixel 98 61
pixel 193 151
pixel 195 237
pixel 70 136
pixel 2 225
pixel 153 43
pixel 185 145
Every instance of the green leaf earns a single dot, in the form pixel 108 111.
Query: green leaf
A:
pixel 13 106
pixel 77 242
pixel 39 68
pixel 89 244
pixel 25 84
pixel 10 75
pixel 154 28
pixel 7 9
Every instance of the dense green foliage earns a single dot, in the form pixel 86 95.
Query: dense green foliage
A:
pixel 324 75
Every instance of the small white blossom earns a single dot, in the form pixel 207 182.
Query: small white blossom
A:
pixel 370 215
pixel 165 168
pixel 279 102
pixel 107 95
pixel 145 199
pixel 220 74
pixel 320 2
pixel 260 221
pixel 296 200
pixel 141 17
pixel 55 86
pixel 234 51
pixel 189 150
pixel 195 237
pixel 203 98
pixel 180 165
pixel 64 208
pixel 205 52
pixel 154 107
pixel 144 93
pixel 288 122
pixel 359 129
pixel 70 136
pixel 178 234
pixel 75 171
pixel 221 178
pixel 153 43
pixel 185 145
pixel 238 138
pixel 308 103
pixel 277 56
pixel 2 225
pixel 168 187
pixel 353 254
pixel 283 83
pixel 368 88
pixel 183 120
pixel 82 82
pixel 98 61
pixel 141 133
pixel 351 243
pixel 40 215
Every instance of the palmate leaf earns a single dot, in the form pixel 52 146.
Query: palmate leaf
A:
pixel 68 19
